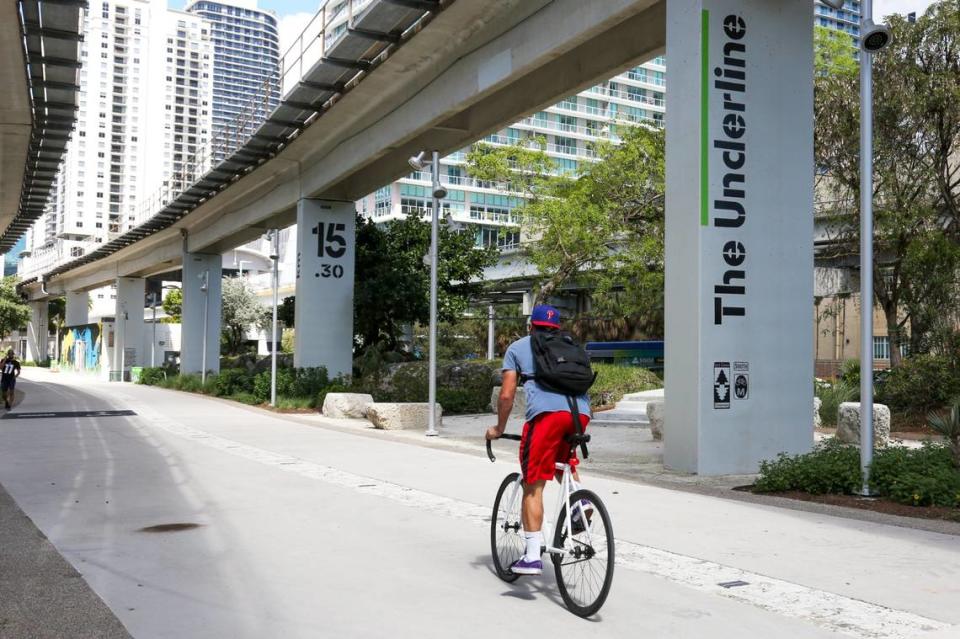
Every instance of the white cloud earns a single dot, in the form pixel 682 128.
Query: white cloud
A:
pixel 291 26
pixel 883 8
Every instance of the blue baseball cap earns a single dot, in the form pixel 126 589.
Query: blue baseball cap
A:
pixel 544 315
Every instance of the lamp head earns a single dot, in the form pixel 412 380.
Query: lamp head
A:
pixel 416 161
pixel 874 36
pixel 834 4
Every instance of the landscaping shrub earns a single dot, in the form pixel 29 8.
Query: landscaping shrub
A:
pixel 231 381
pixel 295 403
pixel 919 476
pixel 831 396
pixel 458 401
pixel 921 384
pixel 307 382
pixel 152 376
pixel 614 381
pixel 915 476
pixel 830 468
pixel 465 385
pixel 947 425
pixel 244 398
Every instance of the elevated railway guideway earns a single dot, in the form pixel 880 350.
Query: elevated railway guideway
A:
pixel 372 83
pixel 39 61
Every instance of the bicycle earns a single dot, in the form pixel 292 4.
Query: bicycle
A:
pixel 583 561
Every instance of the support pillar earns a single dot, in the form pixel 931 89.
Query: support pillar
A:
pixel 325 266
pixel 128 327
pixel 38 332
pixel 202 303
pixel 491 332
pixel 78 308
pixel 739 229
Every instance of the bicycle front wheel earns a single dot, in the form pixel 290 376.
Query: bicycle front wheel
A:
pixel 585 570
pixel 507 543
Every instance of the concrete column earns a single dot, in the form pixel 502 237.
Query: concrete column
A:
pixel 491 332
pixel 78 308
pixel 325 264
pixel 128 339
pixel 38 332
pixel 202 300
pixel 739 233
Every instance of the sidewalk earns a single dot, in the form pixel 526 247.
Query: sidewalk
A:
pixel 262 487
pixel 41 595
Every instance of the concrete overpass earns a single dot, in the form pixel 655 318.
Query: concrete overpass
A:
pixel 475 67
pixel 39 59
pixel 739 142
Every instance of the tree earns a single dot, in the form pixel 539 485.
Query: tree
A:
pixel 173 305
pixel 392 282
pixel 14 313
pixel 241 312
pixel 602 230
pixel 915 186
pixel 286 311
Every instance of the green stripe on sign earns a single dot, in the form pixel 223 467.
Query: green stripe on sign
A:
pixel 704 117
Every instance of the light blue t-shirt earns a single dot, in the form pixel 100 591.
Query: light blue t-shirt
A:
pixel 519 358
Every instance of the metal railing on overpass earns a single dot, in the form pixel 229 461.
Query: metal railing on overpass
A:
pixel 336 50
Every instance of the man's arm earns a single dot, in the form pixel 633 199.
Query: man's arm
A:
pixel 508 391
pixel 17 374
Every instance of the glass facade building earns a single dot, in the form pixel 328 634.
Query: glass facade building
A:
pixel 246 55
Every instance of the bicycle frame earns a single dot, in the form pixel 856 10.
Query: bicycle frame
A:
pixel 566 490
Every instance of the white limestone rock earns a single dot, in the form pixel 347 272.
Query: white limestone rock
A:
pixel 655 415
pixel 519 402
pixel 398 416
pixel 351 405
pixel 817 403
pixel 848 423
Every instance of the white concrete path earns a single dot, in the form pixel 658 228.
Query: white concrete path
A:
pixel 307 532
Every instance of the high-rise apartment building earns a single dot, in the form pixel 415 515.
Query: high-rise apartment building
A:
pixel 246 55
pixel 144 117
pixel 570 130
pixel 846 19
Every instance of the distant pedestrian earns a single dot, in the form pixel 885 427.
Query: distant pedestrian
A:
pixel 9 372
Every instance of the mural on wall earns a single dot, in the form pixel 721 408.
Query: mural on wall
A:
pixel 80 348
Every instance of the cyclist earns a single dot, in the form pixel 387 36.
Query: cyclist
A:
pixel 548 423
pixel 9 372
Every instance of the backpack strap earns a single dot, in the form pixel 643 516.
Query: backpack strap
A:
pixel 579 438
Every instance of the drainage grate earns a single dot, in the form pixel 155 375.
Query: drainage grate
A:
pixel 162 528
pixel 79 413
pixel 733 584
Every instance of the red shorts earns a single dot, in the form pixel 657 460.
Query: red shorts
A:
pixel 544 444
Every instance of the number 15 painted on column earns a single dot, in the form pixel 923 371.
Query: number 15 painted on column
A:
pixel 332 243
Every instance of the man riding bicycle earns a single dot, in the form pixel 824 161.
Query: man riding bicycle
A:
pixel 549 423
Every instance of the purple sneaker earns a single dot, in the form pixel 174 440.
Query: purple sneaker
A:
pixel 524 567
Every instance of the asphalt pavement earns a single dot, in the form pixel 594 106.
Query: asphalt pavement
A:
pixel 196 517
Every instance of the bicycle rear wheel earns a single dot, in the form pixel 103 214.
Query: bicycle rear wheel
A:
pixel 507 543
pixel 585 571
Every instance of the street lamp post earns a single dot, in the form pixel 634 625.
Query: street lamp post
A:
pixel 204 286
pixel 874 37
pixel 439 192
pixel 275 256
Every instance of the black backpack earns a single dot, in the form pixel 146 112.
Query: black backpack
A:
pixel 560 364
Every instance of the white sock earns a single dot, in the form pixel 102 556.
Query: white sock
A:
pixel 534 545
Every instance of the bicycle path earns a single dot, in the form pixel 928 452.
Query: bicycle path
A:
pixel 303 531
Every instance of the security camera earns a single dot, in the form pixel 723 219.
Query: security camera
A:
pixel 416 161
pixel 874 36
pixel 834 4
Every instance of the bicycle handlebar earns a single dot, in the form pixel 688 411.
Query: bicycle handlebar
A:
pixel 490 448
